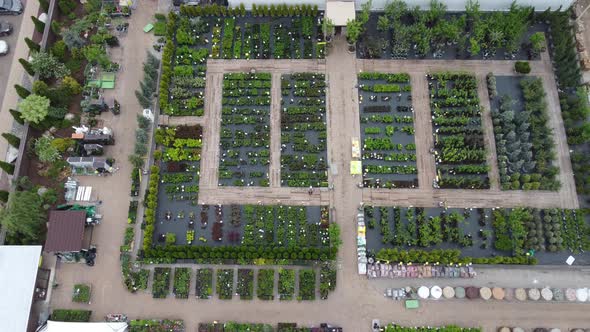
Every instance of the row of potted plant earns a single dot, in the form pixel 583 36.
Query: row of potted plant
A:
pixel 245 137
pixel 457 126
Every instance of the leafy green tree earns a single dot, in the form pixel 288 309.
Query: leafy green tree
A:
pixel 12 139
pixel 23 217
pixel 4 196
pixel 474 47
pixel 537 41
pixel 395 10
pixel 354 29
pixel 96 54
pixel 334 232
pixel 136 161
pixel 48 66
pixel 45 151
pixel 383 23
pixel 34 108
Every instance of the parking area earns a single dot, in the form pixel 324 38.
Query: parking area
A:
pixel 8 60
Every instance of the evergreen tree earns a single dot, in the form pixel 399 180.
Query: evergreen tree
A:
pixel 34 47
pixel 17 116
pixel 22 91
pixel 39 26
pixel 12 139
pixel 27 66
pixel 7 167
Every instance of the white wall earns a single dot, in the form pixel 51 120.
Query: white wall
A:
pixel 452 5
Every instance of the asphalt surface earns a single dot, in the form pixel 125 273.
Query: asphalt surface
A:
pixel 8 60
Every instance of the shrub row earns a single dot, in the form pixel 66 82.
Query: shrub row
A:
pixel 152 204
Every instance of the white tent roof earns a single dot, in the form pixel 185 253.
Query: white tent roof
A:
pixel 340 11
pixel 18 272
pixel 86 327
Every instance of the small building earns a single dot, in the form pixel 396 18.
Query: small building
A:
pixel 65 234
pixel 89 165
pixel 19 267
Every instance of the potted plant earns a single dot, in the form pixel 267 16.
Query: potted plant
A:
pixel 328 29
pixel 353 32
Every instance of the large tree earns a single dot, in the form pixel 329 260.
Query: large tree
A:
pixel 23 217
pixel 34 108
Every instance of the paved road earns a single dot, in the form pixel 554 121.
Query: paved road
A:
pixel 15 75
pixel 356 300
pixel 7 60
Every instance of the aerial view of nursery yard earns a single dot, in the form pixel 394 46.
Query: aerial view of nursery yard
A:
pixel 335 166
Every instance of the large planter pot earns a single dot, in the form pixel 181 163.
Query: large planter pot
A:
pixel 351 48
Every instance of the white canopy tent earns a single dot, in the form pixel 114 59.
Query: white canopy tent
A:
pixel 52 326
pixel 340 12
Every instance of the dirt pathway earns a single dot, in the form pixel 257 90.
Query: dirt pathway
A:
pixel 488 131
pixel 423 129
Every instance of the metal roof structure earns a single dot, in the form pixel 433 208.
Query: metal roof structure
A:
pixel 65 231
pixel 18 273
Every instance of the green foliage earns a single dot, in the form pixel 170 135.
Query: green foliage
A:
pixel 81 293
pixel 522 67
pixel 34 108
pixel 39 26
pixel 48 66
pixel 63 144
pixel 59 49
pixel 33 47
pixel 7 167
pixel 21 91
pixel 66 315
pixel 354 29
pixel 27 66
pixel 4 196
pixel 45 151
pixel 23 217
pixel 66 6
pixel 17 116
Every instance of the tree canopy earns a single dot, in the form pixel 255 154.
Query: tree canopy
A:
pixel 34 108
pixel 23 217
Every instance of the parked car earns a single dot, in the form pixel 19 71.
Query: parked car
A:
pixel 5 28
pixel 3 47
pixel 11 7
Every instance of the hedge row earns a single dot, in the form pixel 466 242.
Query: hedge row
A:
pixel 239 252
pixel 152 204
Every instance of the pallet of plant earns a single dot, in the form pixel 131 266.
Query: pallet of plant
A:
pixel 81 293
pixel 245 286
pixel 161 283
pixel 182 281
pixel 387 130
pixel 156 325
pixel 245 130
pixel 225 284
pixel 265 284
pixel 327 280
pixel 204 283
pixel 286 284
pixel 303 130
pixel 458 141
pixel 306 285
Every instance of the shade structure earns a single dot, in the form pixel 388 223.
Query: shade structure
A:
pixel 340 12
pixel 448 292
pixel 485 293
pixel 582 294
pixel 423 292
pixel 558 294
pixel 498 293
pixel 520 294
pixel 534 294
pixel 504 329
pixel 555 330
pixel 547 294
pixel 570 294
pixel 459 292
pixel 435 292
pixel 472 293
pixel 517 329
